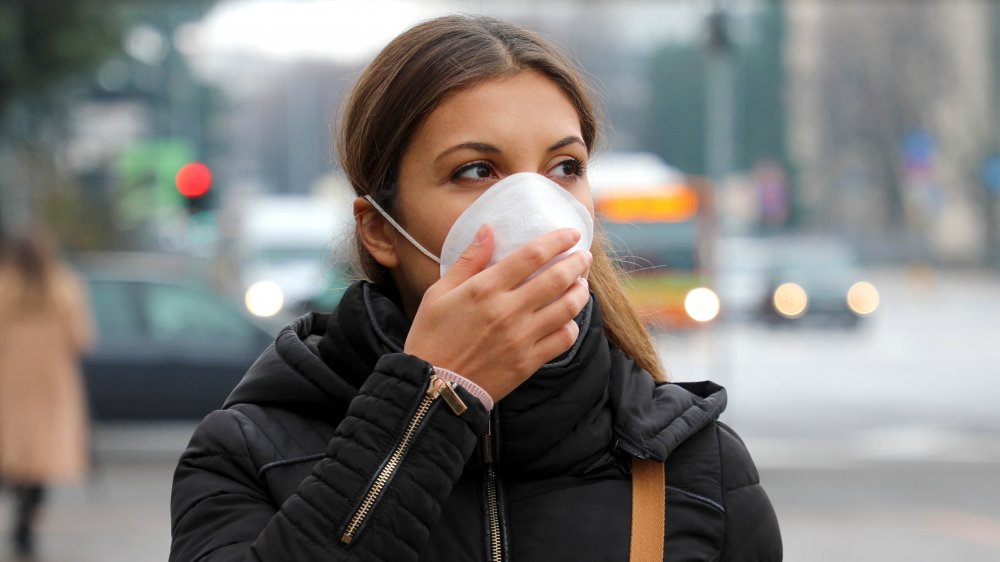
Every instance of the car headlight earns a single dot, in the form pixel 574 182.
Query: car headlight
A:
pixel 790 300
pixel 702 304
pixel 862 298
pixel 264 298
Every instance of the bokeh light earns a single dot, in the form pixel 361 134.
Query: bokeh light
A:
pixel 264 299
pixel 702 304
pixel 790 300
pixel 862 298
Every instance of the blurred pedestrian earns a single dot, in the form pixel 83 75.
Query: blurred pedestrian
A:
pixel 476 397
pixel 45 326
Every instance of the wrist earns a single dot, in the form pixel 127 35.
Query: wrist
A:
pixel 469 386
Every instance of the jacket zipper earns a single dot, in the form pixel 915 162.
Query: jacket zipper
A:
pixel 436 388
pixel 492 500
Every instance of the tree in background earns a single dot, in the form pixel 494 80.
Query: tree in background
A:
pixel 86 89
pixel 46 52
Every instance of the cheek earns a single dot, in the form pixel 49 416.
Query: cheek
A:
pixel 583 194
pixel 429 217
pixel 430 227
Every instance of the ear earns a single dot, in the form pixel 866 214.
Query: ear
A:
pixel 377 235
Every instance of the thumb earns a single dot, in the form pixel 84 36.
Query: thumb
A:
pixel 473 259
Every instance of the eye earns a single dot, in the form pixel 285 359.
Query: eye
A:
pixel 570 167
pixel 473 171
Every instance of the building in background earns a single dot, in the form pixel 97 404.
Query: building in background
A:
pixel 892 108
pixel 873 120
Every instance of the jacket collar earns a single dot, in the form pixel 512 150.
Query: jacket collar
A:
pixel 560 421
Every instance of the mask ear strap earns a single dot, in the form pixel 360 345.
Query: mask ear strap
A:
pixel 400 229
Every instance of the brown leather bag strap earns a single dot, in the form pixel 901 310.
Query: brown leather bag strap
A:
pixel 648 503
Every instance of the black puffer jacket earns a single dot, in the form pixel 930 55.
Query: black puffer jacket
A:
pixel 327 450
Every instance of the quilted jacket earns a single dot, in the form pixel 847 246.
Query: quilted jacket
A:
pixel 338 446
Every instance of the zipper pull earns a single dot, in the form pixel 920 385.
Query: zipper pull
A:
pixel 487 447
pixel 440 387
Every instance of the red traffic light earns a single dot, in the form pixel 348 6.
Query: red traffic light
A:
pixel 194 179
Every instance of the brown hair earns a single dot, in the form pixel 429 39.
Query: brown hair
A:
pixel 30 272
pixel 412 75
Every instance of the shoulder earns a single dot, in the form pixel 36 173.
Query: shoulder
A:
pixel 256 437
pixel 67 280
pixel 714 469
pixel 267 450
pixel 221 434
pixel 752 530
pixel 738 466
pixel 70 288
pixel 718 451
pixel 712 463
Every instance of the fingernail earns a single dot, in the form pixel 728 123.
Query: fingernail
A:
pixel 481 235
pixel 590 258
pixel 585 283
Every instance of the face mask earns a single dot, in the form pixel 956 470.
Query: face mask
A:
pixel 520 208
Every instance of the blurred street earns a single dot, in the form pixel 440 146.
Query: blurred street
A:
pixel 880 512
pixel 919 380
pixel 815 163
pixel 853 475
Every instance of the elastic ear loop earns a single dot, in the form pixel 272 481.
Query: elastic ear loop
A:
pixel 401 230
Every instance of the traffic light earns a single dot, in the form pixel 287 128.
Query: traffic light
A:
pixel 194 181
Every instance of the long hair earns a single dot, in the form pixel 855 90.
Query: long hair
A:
pixel 30 273
pixel 412 75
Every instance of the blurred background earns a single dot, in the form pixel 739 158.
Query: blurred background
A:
pixel 804 193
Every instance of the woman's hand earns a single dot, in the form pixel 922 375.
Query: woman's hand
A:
pixel 492 327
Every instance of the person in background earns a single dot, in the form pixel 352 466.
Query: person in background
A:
pixel 45 327
pixel 475 397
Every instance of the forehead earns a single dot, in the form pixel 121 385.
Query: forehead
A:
pixel 525 104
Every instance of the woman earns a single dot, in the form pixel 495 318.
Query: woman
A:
pixel 489 412
pixel 45 326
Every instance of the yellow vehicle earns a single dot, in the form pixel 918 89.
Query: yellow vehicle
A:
pixel 658 223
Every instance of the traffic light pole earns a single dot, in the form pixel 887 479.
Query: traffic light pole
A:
pixel 719 152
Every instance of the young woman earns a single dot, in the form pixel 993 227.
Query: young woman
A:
pixel 45 326
pixel 467 410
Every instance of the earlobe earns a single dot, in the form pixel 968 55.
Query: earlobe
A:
pixel 376 234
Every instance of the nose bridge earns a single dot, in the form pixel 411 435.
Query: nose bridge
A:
pixel 528 155
pixel 527 164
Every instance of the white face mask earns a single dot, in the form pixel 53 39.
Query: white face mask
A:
pixel 520 208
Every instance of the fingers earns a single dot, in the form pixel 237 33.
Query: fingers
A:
pixel 524 261
pixel 554 281
pixel 561 310
pixel 556 343
pixel 473 259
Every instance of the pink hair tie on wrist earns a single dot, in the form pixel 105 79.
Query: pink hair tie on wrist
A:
pixel 469 386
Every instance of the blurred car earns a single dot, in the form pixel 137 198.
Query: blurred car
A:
pixel 170 347
pixel 817 279
pixel 288 255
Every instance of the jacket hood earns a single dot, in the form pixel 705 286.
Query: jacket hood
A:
pixel 564 417
pixel 290 374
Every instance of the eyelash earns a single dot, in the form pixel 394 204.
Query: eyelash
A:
pixel 456 175
pixel 579 165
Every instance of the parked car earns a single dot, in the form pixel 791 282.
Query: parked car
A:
pixel 170 347
pixel 288 253
pixel 817 279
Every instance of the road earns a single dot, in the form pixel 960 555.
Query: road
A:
pixel 876 444
pixel 919 381
pixel 879 512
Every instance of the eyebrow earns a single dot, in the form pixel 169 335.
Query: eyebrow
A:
pixel 489 148
pixel 477 146
pixel 572 139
